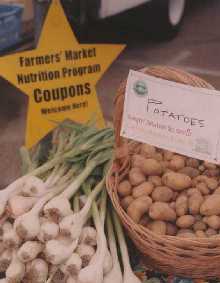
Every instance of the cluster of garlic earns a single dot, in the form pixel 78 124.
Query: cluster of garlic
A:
pixel 42 238
pixel 52 227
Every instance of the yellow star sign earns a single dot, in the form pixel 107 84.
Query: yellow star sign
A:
pixel 59 76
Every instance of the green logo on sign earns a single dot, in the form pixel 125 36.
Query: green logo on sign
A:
pixel 140 88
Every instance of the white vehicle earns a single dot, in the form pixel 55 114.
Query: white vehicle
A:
pixel 168 14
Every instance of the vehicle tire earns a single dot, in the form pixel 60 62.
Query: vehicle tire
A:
pixel 167 18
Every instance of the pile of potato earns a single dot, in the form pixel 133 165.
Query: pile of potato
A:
pixel 171 194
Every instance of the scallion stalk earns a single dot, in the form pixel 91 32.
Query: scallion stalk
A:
pixel 115 275
pixel 128 274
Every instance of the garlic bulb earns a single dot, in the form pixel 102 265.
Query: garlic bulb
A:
pixel 65 240
pixel 59 277
pixel 56 252
pixel 48 231
pixel 88 236
pixel 92 273
pixel 107 264
pixel 72 266
pixel 5 194
pixel 28 225
pixel 2 247
pixel 29 251
pixel 18 205
pixel 16 270
pixel 66 224
pixel 70 280
pixel 37 272
pixel 6 226
pixel 57 208
pixel 5 260
pixel 86 252
pixel 114 274
pixel 33 187
pixel 11 239
pixel 52 269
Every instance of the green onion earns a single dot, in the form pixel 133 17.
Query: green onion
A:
pixel 128 275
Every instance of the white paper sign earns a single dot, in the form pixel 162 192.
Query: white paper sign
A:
pixel 172 116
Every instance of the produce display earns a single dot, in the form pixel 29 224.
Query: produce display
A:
pixel 171 194
pixel 55 218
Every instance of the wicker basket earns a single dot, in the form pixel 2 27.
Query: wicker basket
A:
pixel 194 258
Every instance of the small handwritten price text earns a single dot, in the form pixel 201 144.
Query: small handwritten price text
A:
pixel 140 122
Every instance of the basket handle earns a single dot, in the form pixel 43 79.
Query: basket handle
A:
pixel 163 72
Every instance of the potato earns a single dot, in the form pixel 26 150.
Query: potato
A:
pixel 209 165
pixel 162 211
pixel 192 191
pixel 185 221
pixel 212 183
pixel 155 180
pixel 165 166
pixel 151 167
pixel 205 197
pixel 198 217
pixel 212 172
pixel 145 219
pixel 126 201
pixel 175 195
pixel 201 234
pixel 182 193
pixel 176 181
pixel 211 232
pixel 212 221
pixel 181 205
pixel 203 188
pixel 145 188
pixel 124 188
pixel 162 193
pixel 199 226
pixel 211 206
pixel 195 202
pixel 171 229
pixel 137 160
pixel 158 156
pixel 158 227
pixel 167 155
pixel 192 162
pixel 217 191
pixel 204 219
pixel 190 171
pixel 138 208
pixel 177 162
pixel 172 205
pixel 136 177
pixel 147 150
